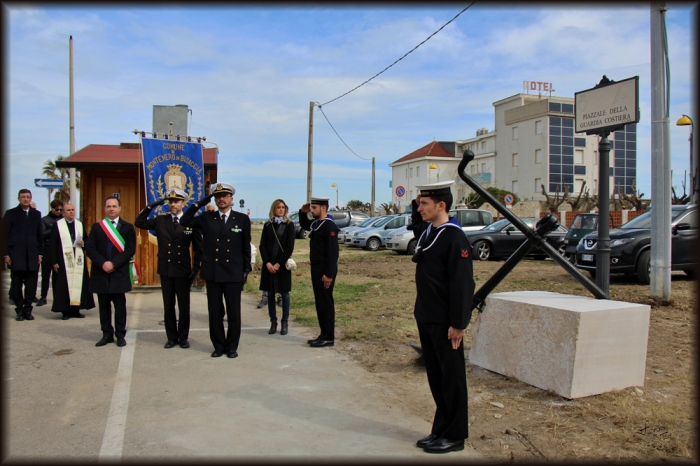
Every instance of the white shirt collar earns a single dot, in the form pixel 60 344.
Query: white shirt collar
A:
pixel 116 222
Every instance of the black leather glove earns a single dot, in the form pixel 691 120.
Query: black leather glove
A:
pixel 245 277
pixel 155 203
pixel 205 200
pixel 193 275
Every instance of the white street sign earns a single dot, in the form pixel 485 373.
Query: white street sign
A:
pixel 48 183
pixel 607 106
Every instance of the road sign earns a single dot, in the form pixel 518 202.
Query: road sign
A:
pixel 242 202
pixel 607 107
pixel 508 199
pixel 52 184
pixel 400 191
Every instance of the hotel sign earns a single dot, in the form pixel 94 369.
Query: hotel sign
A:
pixel 538 86
pixel 607 107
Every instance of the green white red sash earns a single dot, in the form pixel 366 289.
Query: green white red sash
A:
pixel 73 260
pixel 118 241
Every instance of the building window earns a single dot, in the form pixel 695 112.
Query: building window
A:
pixel 595 186
pixel 538 184
pixel 538 127
pixel 515 159
pixel 411 172
pixel 561 153
pixel 417 172
pixel 624 159
pixel 580 170
pixel 410 194
pixel 483 145
pixel 578 157
pixel 578 184
pixel 407 173
pixel 538 155
pixel 473 169
pixel 579 142
pixel 514 185
pixel 515 132
pixel 483 168
pixel 595 157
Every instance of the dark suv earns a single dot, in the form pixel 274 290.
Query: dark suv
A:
pixel 630 246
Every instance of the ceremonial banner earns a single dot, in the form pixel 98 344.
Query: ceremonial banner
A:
pixel 169 164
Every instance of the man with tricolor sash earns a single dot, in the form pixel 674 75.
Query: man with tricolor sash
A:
pixel 111 247
pixel 70 282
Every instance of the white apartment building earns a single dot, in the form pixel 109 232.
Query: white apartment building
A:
pixel 533 144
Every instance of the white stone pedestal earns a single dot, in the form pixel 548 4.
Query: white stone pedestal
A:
pixel 572 345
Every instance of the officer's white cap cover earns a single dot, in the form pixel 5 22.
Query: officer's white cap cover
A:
pixel 441 188
pixel 177 195
pixel 223 188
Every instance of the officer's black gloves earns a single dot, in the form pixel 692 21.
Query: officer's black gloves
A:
pixel 245 277
pixel 155 203
pixel 193 275
pixel 205 200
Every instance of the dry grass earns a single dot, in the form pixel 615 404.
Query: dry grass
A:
pixel 374 297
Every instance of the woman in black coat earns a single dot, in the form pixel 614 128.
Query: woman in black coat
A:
pixel 276 246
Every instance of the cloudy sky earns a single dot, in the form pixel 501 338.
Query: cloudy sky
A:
pixel 249 73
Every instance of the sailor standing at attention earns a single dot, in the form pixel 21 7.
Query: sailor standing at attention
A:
pixel 444 292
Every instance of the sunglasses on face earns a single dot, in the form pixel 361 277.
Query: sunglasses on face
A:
pixel 58 209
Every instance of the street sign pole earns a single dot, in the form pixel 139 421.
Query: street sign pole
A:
pixel 602 266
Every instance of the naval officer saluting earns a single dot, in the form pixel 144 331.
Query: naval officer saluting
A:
pixel 323 242
pixel 225 264
pixel 174 263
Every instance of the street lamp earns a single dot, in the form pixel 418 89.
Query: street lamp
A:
pixel 435 167
pixel 336 195
pixel 685 120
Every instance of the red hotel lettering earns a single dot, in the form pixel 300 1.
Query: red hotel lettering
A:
pixel 538 86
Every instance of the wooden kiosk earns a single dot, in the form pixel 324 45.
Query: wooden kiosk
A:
pixel 118 170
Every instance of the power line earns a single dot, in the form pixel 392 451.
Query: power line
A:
pixel 336 133
pixel 407 53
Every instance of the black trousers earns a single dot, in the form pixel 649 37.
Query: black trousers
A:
pixel 176 288
pixel 325 305
pixel 105 304
pixel 216 294
pixel 447 378
pixel 23 289
pixel 46 270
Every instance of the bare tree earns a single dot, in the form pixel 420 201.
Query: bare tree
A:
pixel 684 199
pixel 552 203
pixel 634 201
pixel 581 201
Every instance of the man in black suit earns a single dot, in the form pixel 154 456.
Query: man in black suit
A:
pixel 47 224
pixel 23 252
pixel 174 263
pixel 111 245
pixel 225 264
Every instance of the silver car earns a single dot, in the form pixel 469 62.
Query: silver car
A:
pixel 345 234
pixel 372 238
pixel 402 241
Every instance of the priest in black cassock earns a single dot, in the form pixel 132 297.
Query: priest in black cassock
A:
pixel 70 280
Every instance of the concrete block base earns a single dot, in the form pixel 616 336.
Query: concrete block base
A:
pixel 572 345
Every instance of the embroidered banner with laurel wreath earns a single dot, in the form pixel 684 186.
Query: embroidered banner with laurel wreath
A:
pixel 169 164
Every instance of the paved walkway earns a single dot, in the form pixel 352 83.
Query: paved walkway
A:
pixel 279 400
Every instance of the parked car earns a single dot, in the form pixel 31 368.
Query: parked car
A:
pixel 630 245
pixel 401 240
pixel 472 219
pixel 298 231
pixel 372 237
pixel 501 239
pixel 346 218
pixel 345 234
pixel 580 227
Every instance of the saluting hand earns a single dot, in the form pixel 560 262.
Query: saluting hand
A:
pixel 455 335
pixel 306 207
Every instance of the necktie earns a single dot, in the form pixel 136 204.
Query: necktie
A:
pixel 109 244
pixel 176 222
pixel 223 218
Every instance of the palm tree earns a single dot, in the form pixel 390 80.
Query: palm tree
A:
pixel 50 170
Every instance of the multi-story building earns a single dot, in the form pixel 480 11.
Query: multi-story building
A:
pixel 533 145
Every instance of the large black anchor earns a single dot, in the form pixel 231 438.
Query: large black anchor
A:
pixel 536 237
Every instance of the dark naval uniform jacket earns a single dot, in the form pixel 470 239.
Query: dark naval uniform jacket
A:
pixel 225 247
pixel 174 258
pixel 25 241
pixel 323 244
pixel 100 250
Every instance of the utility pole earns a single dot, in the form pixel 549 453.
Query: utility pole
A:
pixel 371 204
pixel 71 131
pixel 660 260
pixel 309 169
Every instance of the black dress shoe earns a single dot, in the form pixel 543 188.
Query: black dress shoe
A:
pixel 169 344
pixel 184 344
pixel 443 445
pixel 65 317
pixel 273 328
pixel 232 354
pixel 121 342
pixel 41 302
pixel 78 315
pixel 285 328
pixel 320 343
pixel 19 318
pixel 28 316
pixel 426 440
pixel 104 341
pixel 216 354
pixel 35 299
pixel 313 340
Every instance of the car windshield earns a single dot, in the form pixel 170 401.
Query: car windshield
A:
pixel 585 222
pixel 294 216
pixel 367 222
pixel 383 222
pixel 497 226
pixel 644 220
